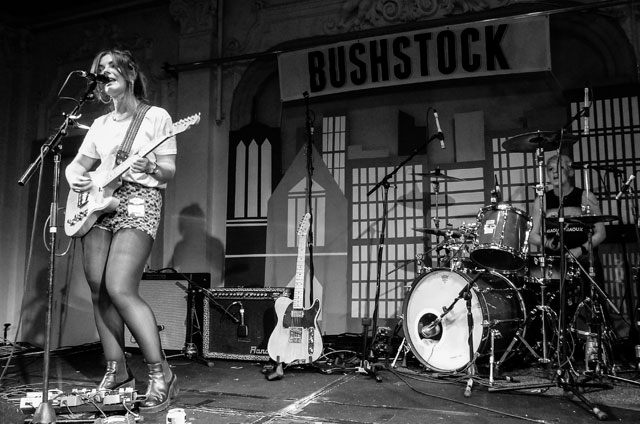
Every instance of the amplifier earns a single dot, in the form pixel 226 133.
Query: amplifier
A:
pixel 225 337
pixel 176 300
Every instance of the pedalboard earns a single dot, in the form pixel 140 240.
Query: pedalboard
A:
pixel 82 400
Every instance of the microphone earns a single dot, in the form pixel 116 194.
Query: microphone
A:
pixel 586 165
pixel 496 194
pixel 602 416
pixel 587 107
pixel 431 330
pixel 467 389
pixel 440 133
pixel 94 77
pixel 625 186
pixel 243 330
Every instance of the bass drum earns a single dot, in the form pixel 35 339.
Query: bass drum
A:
pixel 496 304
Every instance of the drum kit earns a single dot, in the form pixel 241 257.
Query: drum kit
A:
pixel 511 296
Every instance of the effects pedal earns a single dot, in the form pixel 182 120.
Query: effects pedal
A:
pixel 82 400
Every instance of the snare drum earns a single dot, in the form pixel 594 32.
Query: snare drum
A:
pixel 502 239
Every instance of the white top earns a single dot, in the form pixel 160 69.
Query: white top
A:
pixel 105 136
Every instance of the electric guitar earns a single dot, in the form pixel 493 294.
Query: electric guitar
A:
pixel 84 208
pixel 296 337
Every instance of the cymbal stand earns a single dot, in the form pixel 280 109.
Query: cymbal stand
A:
pixel 435 218
pixel 518 337
pixel 541 204
pixel 634 327
pixel 565 373
pixel 603 332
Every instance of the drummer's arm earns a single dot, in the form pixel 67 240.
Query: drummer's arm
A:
pixel 599 232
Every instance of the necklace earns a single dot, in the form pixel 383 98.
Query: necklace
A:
pixel 121 117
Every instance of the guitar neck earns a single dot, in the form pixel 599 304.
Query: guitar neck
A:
pixel 120 169
pixel 298 289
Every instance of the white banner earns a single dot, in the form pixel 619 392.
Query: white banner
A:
pixel 495 47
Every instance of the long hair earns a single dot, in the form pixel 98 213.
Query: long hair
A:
pixel 127 66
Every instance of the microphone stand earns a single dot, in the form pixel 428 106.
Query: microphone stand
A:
pixel 368 354
pixel 309 128
pixel 45 413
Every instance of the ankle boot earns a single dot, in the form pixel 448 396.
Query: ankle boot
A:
pixel 162 388
pixel 117 377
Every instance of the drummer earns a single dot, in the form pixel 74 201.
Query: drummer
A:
pixel 577 201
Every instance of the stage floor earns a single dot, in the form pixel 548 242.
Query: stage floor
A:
pixel 231 391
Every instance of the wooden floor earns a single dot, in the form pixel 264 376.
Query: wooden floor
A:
pixel 337 391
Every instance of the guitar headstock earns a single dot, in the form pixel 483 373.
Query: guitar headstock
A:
pixel 305 222
pixel 186 123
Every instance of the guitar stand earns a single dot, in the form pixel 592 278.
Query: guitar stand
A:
pixel 273 372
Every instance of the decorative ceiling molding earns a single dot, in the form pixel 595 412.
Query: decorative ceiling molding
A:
pixel 195 15
pixel 359 15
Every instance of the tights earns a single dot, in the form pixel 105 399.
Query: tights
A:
pixel 113 265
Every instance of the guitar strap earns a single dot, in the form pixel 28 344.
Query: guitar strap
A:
pixel 125 147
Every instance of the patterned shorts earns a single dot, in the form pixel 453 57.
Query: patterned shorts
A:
pixel 139 208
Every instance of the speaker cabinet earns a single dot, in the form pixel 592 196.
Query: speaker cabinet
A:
pixel 176 301
pixel 223 335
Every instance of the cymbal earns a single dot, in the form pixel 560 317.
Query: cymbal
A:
pixel 438 175
pixel 584 219
pixel 591 219
pixel 530 142
pixel 439 232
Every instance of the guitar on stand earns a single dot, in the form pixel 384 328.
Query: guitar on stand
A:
pixel 83 209
pixel 296 338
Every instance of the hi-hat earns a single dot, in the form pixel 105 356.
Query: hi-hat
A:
pixel 545 140
pixel 438 175
pixel 440 233
pixel 591 219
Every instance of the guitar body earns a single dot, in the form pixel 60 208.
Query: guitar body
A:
pixel 84 209
pixel 296 337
